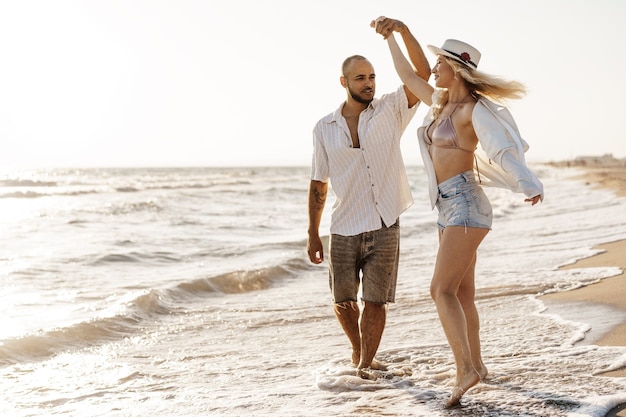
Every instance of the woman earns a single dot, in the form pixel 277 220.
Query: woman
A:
pixel 462 116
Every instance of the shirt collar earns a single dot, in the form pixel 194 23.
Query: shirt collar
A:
pixel 337 113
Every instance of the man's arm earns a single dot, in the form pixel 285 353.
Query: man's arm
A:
pixel 317 200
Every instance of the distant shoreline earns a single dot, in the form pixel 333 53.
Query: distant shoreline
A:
pixel 604 161
pixel 599 171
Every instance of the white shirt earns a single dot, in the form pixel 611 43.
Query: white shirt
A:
pixel 500 158
pixel 369 182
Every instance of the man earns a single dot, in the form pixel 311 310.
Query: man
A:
pixel 357 149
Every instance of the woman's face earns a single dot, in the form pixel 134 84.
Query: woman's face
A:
pixel 444 75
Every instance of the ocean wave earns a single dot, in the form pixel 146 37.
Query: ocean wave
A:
pixel 23 194
pixel 136 257
pixel 133 207
pixel 114 258
pixel 38 194
pixel 126 189
pixel 26 183
pixel 30 190
pixel 46 344
pixel 237 282
pixel 185 185
pixel 499 291
pixel 141 312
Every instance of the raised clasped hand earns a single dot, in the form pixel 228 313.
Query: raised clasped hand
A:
pixel 385 26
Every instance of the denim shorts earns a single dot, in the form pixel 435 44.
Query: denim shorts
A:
pixel 462 202
pixel 370 259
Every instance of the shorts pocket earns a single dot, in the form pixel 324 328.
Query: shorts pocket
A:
pixel 483 206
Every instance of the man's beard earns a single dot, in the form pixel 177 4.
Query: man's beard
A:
pixel 358 98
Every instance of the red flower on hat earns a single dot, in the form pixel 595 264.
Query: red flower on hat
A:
pixel 466 57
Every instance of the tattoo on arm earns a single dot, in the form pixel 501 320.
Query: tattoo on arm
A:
pixel 319 198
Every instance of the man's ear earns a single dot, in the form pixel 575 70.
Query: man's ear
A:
pixel 343 81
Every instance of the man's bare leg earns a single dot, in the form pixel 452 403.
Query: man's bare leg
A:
pixel 372 326
pixel 348 316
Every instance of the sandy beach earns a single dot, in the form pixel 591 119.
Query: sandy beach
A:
pixel 606 172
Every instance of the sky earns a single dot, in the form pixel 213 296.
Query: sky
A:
pixel 242 82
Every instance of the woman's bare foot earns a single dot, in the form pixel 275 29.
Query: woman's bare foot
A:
pixel 455 397
pixel 465 383
pixel 356 358
pixel 482 372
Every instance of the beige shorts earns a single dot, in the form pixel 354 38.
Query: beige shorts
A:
pixel 369 259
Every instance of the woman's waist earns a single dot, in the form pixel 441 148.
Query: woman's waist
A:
pixel 458 183
pixel 444 173
pixel 451 163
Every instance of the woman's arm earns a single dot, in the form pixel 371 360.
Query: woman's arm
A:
pixel 411 80
pixel 415 51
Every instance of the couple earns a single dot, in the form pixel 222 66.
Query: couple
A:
pixel 357 149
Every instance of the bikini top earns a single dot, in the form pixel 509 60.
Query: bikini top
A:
pixel 444 134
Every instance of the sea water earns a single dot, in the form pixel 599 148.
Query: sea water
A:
pixel 188 292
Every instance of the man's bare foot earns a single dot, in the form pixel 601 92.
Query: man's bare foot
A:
pixel 467 382
pixel 365 374
pixel 379 366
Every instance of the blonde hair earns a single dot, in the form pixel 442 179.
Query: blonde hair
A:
pixel 480 84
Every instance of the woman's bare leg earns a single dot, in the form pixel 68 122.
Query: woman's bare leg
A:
pixel 466 295
pixel 457 251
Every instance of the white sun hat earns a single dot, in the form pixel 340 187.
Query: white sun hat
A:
pixel 459 51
